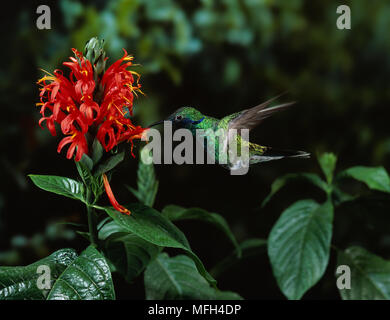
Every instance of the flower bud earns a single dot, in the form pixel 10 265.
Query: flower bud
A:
pixel 95 53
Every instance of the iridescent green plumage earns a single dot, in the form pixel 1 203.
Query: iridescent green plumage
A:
pixel 192 119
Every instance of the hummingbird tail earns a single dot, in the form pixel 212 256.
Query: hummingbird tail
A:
pixel 270 153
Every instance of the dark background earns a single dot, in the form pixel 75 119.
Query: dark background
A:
pixel 220 57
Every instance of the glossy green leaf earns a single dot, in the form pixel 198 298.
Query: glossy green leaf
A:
pixel 88 277
pixel 109 164
pixel 375 178
pixel 146 183
pixel 175 213
pixel 249 248
pixel 60 185
pixel 327 163
pixel 153 227
pixel 129 253
pixel 370 275
pixel 299 245
pixel 280 182
pixel 178 278
pixel 20 283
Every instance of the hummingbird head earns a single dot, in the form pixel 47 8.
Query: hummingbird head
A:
pixel 186 117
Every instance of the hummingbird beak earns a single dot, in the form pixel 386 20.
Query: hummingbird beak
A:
pixel 156 123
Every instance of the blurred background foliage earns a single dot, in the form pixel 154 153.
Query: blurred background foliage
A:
pixel 221 57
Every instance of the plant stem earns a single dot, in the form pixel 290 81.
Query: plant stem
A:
pixel 93 237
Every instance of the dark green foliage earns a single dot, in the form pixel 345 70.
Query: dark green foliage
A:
pixel 88 277
pixel 146 183
pixel 153 227
pixel 375 178
pixel 109 164
pixel 299 245
pixel 130 254
pixel 20 283
pixel 300 241
pixel 175 213
pixel 178 278
pixel 60 185
pixel 369 275
pixel 248 248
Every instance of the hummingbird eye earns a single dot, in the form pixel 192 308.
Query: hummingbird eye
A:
pixel 179 117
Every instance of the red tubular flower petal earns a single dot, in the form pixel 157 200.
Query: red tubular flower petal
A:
pixel 106 135
pixel 49 119
pixel 111 197
pixel 76 140
pixel 83 72
pixel 63 143
pixel 49 124
pixel 68 125
pixel 82 147
pixel 88 109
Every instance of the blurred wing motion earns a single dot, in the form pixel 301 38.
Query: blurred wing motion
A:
pixel 250 118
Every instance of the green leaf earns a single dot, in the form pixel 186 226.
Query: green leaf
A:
pixel 146 183
pixel 109 164
pixel 299 245
pixel 84 234
pixel 327 163
pixel 60 185
pixel 20 283
pixel 87 278
pixel 177 278
pixel 97 186
pixel 108 228
pixel 129 253
pixel 175 213
pixel 87 162
pixel 370 275
pixel 249 248
pixel 340 196
pixel 376 178
pixel 153 227
pixel 95 183
pixel 84 167
pixel 282 181
pixel 97 151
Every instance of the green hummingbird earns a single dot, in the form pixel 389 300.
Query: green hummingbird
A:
pixel 193 120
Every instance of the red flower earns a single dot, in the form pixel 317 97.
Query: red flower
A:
pixel 70 103
pixel 77 140
pixel 111 197
pixel 83 72
pixel 90 109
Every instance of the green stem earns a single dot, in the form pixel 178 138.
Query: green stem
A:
pixel 92 225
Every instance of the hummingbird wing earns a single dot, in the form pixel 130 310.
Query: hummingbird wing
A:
pixel 250 118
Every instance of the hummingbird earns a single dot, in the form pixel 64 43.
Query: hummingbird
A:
pixel 192 119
